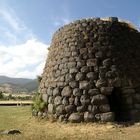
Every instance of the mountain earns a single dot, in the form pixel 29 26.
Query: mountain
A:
pixel 20 81
pixel 15 85
pixel 31 86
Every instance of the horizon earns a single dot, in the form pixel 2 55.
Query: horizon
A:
pixel 27 27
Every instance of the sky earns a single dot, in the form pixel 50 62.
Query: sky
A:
pixel 27 26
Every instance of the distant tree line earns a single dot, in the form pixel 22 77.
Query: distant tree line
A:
pixel 11 97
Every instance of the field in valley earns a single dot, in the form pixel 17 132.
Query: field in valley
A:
pixel 36 129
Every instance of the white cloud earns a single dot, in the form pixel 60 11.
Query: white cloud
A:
pixel 12 28
pixel 21 53
pixel 10 17
pixel 24 60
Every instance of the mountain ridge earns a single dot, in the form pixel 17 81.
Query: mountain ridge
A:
pixel 9 84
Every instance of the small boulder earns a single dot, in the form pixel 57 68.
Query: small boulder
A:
pixel 11 131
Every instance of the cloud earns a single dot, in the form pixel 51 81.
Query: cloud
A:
pixel 21 52
pixel 25 60
pixel 10 17
pixel 13 29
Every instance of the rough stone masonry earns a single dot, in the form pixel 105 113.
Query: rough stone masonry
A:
pixel 92 72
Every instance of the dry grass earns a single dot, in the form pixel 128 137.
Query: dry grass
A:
pixel 36 129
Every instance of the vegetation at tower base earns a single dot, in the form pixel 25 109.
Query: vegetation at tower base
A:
pixel 92 72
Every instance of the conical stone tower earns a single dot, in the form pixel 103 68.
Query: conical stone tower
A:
pixel 92 72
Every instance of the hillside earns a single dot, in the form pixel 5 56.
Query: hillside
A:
pixel 20 81
pixel 16 85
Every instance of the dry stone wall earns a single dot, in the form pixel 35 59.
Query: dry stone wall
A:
pixel 91 63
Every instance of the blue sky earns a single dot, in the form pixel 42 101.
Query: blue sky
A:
pixel 26 28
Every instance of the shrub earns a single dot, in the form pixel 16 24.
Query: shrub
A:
pixel 39 78
pixel 38 104
pixel 1 95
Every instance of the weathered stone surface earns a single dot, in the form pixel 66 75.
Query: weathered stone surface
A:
pixel 51 108
pixel 65 101
pixel 84 100
pixel 71 100
pixel 70 108
pixel 81 108
pixel 60 110
pixel 45 98
pixel 99 54
pixel 107 62
pixel 92 62
pixel 84 85
pixel 69 77
pixel 64 71
pixel 71 64
pixel 106 90
pixel 77 101
pixel 94 109
pixel 50 91
pixel 85 69
pixel 58 100
pixel 67 91
pixel 76 118
pixel 79 76
pixel 89 117
pixel 50 100
pixel 81 63
pixel 107 117
pixel 56 92
pixel 73 84
pixel 73 70
pixel 99 99
pixel 92 76
pixel 61 118
pixel 104 108
pixel 101 83
pixel 94 91
pixel 77 92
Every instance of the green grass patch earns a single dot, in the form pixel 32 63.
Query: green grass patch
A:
pixel 14 116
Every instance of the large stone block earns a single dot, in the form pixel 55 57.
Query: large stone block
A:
pixel 84 85
pixel 89 117
pixel 66 92
pixel 76 118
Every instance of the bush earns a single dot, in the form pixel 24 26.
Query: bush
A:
pixel 38 104
pixel 1 95
pixel 39 78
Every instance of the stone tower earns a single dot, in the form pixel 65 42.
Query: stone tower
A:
pixel 92 72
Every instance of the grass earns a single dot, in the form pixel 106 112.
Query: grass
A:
pixel 16 102
pixel 36 129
